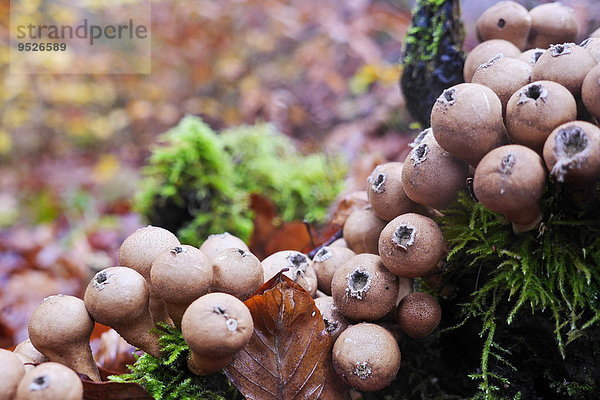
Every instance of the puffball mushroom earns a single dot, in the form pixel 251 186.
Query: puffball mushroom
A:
pixel 179 276
pixel 510 180
pixel 531 56
pixel 138 252
pixel 486 50
pixel 363 289
pixel 506 20
pixel 28 349
pixel 593 46
pixel 565 63
pixel 366 357
pixel 237 272
pixel 215 244
pixel 572 153
pixel 467 121
pixel 215 326
pixel 299 268
pixel 431 176
pixel 361 231
pixel 590 91
pixel 335 322
pixel 118 297
pixel 386 192
pixel 411 245
pixel 12 373
pixel 419 314
pixel 50 381
pixel 60 328
pixel 552 23
pixel 326 261
pixel 535 110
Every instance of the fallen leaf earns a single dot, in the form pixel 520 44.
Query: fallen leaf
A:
pixel 112 390
pixel 289 354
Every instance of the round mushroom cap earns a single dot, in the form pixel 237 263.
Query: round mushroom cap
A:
pixel 116 295
pixel 411 245
pixel 419 314
pixel 483 52
pixel 565 63
pixel 362 230
pixel 141 248
pixel 465 134
pixel 299 268
pixel 531 56
pixel 237 272
pixel 12 372
pixel 28 349
pixel 326 261
pixel 593 46
pixel 590 91
pixel 335 322
pixel 552 23
pixel 366 356
pixel 535 110
pixel 50 381
pixel 215 244
pixel 386 192
pixel 181 274
pixel 363 289
pixel 572 152
pixel 506 20
pixel 59 321
pixel 217 325
pixel 510 178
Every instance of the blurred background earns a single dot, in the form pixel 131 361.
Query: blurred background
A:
pixel 72 147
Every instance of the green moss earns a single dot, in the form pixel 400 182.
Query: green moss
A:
pixel 198 182
pixel 168 378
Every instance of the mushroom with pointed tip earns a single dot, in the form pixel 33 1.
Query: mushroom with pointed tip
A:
pixel 50 381
pixel 60 328
pixel 118 297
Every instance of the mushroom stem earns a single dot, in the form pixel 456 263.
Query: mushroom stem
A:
pixel 159 310
pixel 207 365
pixel 176 312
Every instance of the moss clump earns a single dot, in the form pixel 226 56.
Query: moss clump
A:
pixel 198 182
pixel 169 378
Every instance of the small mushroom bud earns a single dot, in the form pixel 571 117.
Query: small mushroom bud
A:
pixel 504 76
pixel 535 110
pixel 27 349
pixel 411 245
pixel 567 64
pixel 363 289
pixel 468 139
pixel 431 176
pixel 552 23
pixel 419 314
pixel 50 381
pixel 361 231
pixel 12 373
pixel 237 272
pixel 366 356
pixel 506 20
pixel 590 91
pixel 215 326
pixel 60 328
pixel 386 192
pixel 335 322
pixel 299 268
pixel 215 244
pixel 486 50
pixel 593 46
pixel 572 153
pixel 531 56
pixel 510 180
pixel 138 252
pixel 118 297
pixel 179 276
pixel 327 260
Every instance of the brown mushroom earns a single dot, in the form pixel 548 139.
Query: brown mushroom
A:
pixel 361 231
pixel 50 381
pixel 326 261
pixel 550 24
pixel 299 269
pixel 419 314
pixel 29 350
pixel 335 322
pixel 215 244
pixel 486 50
pixel 386 192
pixel 590 91
pixel 506 20
pixel 12 373
pixel 237 272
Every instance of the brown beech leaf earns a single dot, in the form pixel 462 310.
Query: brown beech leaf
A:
pixel 289 354
pixel 112 390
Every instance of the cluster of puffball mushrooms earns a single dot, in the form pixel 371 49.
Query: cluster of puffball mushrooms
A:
pixel 528 113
